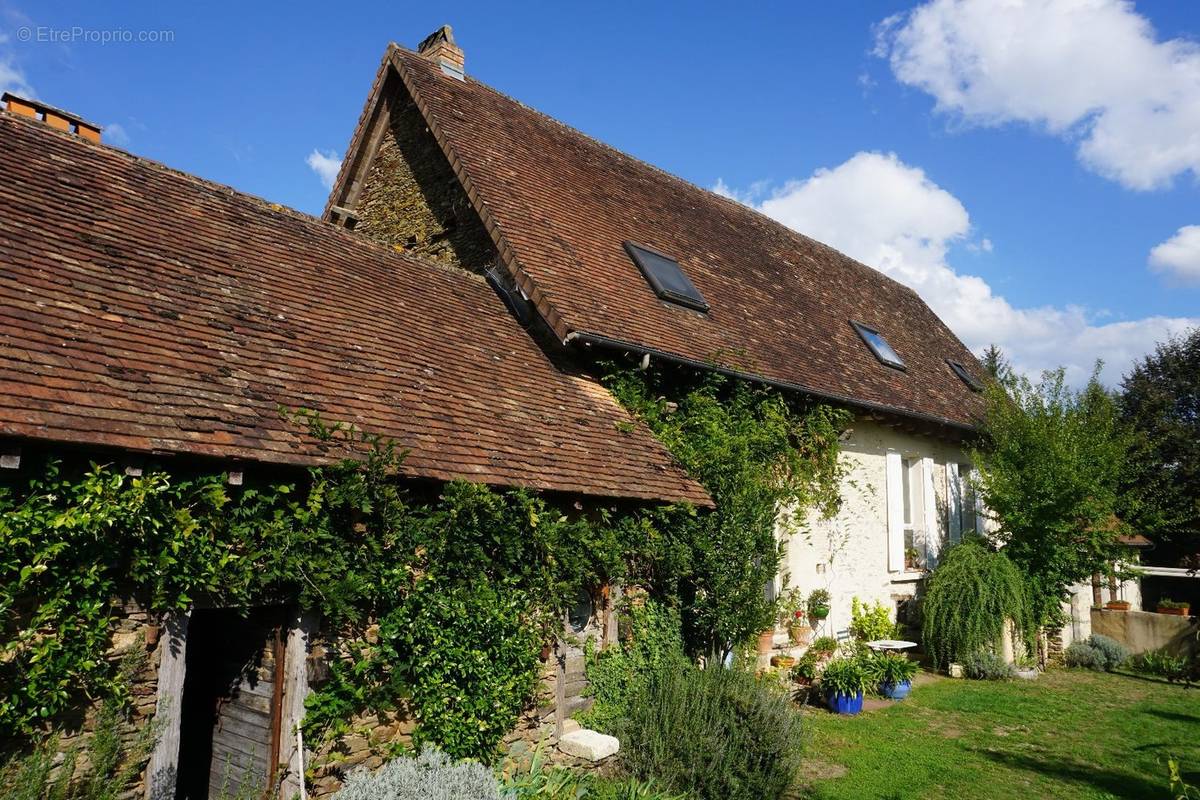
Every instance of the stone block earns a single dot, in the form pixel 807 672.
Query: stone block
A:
pixel 589 745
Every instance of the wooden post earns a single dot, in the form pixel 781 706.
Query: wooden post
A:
pixel 163 768
pixel 295 689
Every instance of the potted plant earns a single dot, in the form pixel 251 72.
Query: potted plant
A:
pixel 1174 607
pixel 784 662
pixel 766 641
pixel 818 604
pixel 792 617
pixel 843 682
pixel 823 648
pixel 1117 605
pixel 912 559
pixel 805 671
pixel 892 673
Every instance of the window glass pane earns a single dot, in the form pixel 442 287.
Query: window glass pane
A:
pixel 906 492
pixel 879 345
pixel 666 277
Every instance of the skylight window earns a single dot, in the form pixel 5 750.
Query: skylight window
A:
pixel 665 277
pixel 966 377
pixel 879 346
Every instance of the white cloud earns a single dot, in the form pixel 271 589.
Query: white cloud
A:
pixel 1179 256
pixel 115 133
pixel 326 164
pixel 12 78
pixel 891 216
pixel 1091 71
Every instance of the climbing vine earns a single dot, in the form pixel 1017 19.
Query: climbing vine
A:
pixel 765 457
pixel 438 601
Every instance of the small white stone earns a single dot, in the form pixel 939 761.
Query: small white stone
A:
pixel 589 745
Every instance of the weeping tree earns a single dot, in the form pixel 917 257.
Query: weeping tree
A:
pixel 967 600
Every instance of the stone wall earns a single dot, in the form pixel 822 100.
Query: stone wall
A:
pixel 412 201
pixel 136 632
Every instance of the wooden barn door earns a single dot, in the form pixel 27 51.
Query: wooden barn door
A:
pixel 232 705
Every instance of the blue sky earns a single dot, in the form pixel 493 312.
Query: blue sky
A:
pixel 1016 163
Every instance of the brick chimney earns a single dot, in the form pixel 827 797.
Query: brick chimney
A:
pixel 439 47
pixel 54 117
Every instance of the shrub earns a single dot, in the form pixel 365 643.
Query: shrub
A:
pixel 1085 656
pixel 968 597
pixel 716 733
pixel 987 666
pixel 619 673
pixel 869 623
pixel 532 779
pixel 432 775
pixel 1115 654
pixel 1163 664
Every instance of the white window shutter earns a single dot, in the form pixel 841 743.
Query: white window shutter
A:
pixel 954 501
pixel 933 526
pixel 895 512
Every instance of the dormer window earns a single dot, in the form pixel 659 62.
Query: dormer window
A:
pixel 666 278
pixel 966 377
pixel 879 345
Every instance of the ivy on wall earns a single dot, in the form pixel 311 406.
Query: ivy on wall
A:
pixel 767 458
pixel 439 603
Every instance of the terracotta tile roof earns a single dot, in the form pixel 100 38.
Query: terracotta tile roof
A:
pixel 146 309
pixel 559 206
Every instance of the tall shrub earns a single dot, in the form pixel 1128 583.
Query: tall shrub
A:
pixel 1051 471
pixel 618 674
pixel 968 597
pixel 719 734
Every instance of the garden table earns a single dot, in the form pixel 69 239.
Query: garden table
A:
pixel 890 644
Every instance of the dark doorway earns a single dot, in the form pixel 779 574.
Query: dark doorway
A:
pixel 230 709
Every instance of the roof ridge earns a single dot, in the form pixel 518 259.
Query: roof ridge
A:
pixel 261 203
pixel 737 204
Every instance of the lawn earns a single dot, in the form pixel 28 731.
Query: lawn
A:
pixel 1070 734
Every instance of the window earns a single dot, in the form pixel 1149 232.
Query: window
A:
pixel 879 345
pixel 665 277
pixel 961 371
pixel 910 480
pixel 909 512
pixel 966 507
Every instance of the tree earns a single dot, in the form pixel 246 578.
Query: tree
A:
pixel 1051 473
pixel 996 363
pixel 1160 401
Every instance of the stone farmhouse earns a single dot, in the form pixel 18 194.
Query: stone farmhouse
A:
pixel 473 258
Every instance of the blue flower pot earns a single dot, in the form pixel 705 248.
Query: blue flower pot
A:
pixel 844 703
pixel 895 691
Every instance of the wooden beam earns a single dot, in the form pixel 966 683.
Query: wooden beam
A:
pixel 163 768
pixel 301 629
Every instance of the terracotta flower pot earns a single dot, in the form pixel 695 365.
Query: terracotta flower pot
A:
pixel 783 662
pixel 1175 612
pixel 766 642
pixel 800 634
pixel 1117 605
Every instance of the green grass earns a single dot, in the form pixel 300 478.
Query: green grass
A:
pixel 1070 734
